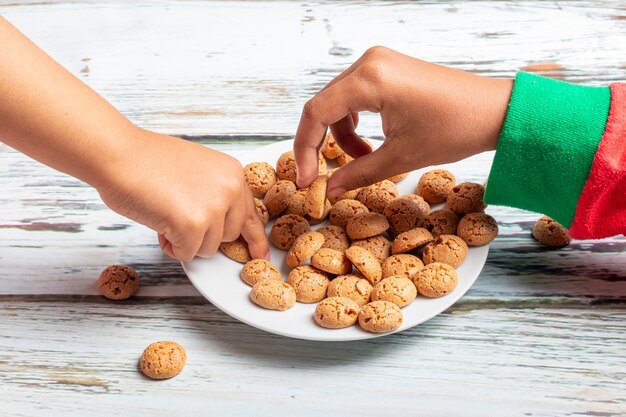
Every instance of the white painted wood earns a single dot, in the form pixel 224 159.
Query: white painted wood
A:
pixel 542 333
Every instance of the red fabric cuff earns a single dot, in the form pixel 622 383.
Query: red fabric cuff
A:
pixel 601 208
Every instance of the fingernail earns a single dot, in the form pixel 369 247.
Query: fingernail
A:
pixel 335 192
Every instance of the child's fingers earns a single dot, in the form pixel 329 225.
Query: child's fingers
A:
pixel 345 135
pixel 165 245
pixel 212 239
pixel 253 232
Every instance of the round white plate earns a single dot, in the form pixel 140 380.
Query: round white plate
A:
pixel 217 279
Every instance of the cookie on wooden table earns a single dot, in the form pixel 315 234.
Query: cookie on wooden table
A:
pixel 118 282
pixel 162 360
pixel 551 233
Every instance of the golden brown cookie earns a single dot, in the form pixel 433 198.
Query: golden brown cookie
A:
pixel 378 246
pixel 118 282
pixel 309 283
pixel 162 360
pixel 402 264
pixel 278 197
pixel 380 317
pixel 442 222
pixel 273 295
pixel 347 195
pixel 396 289
pixel 304 246
pixel 378 195
pixel 406 213
pixel 477 229
pixel 286 229
pixel 257 270
pixel 332 261
pixel 336 238
pixel 237 250
pixel 410 240
pixel 330 147
pixel 366 225
pixel 398 178
pixel 448 249
pixel 351 286
pixel 286 167
pixel 315 198
pixel 365 262
pixel 435 185
pixel 260 177
pixel 296 204
pixel 343 159
pixel 345 210
pixel 336 313
pixel 549 232
pixel 435 280
pixel 261 210
pixel 466 198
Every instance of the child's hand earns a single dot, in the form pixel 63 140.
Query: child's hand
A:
pixel 430 115
pixel 194 197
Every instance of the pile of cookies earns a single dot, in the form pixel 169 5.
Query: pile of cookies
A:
pixel 373 252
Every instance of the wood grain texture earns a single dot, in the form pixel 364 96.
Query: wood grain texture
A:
pixel 541 333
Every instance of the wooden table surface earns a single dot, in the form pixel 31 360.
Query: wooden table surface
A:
pixel 541 333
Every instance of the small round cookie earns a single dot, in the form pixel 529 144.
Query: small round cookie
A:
pixel 260 177
pixel 435 280
pixel 286 229
pixel 477 229
pixel 435 185
pixel 448 249
pixel 343 159
pixel 296 204
pixel 286 167
pixel 366 225
pixel 345 210
pixel 404 214
pixel 466 198
pixel 378 195
pixel 309 283
pixel 410 240
pixel 237 250
pixel 303 248
pixel 261 210
pixel 378 246
pixel 162 360
pixel 335 238
pixel 398 178
pixel 351 286
pixel 118 282
pixel 273 295
pixel 258 270
pixel 551 233
pixel 380 317
pixel 403 264
pixel 442 222
pixel 336 313
pixel 331 261
pixel 278 197
pixel 348 195
pixel 396 289
pixel 365 262
pixel 330 147
pixel 315 198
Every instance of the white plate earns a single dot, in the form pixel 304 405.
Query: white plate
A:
pixel 218 279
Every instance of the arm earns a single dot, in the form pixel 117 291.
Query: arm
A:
pixel 190 195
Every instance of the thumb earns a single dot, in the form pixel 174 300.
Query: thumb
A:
pixel 253 231
pixel 366 170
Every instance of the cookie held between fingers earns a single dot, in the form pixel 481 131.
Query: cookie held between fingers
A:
pixel 466 198
pixel 435 280
pixel 410 240
pixel 237 250
pixel 351 286
pixel 366 225
pixel 449 249
pixel 336 313
pixel 286 229
pixel 380 317
pixel 435 185
pixel 551 233
pixel 396 289
pixel 332 261
pixel 258 270
pixel 365 262
pixel 273 295
pixel 304 247
pixel 260 177
pixel 477 229
pixel 309 283
pixel 403 264
pixel 162 360
pixel 330 147
pixel 118 282
pixel 315 198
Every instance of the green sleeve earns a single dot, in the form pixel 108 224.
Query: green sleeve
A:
pixel 547 145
